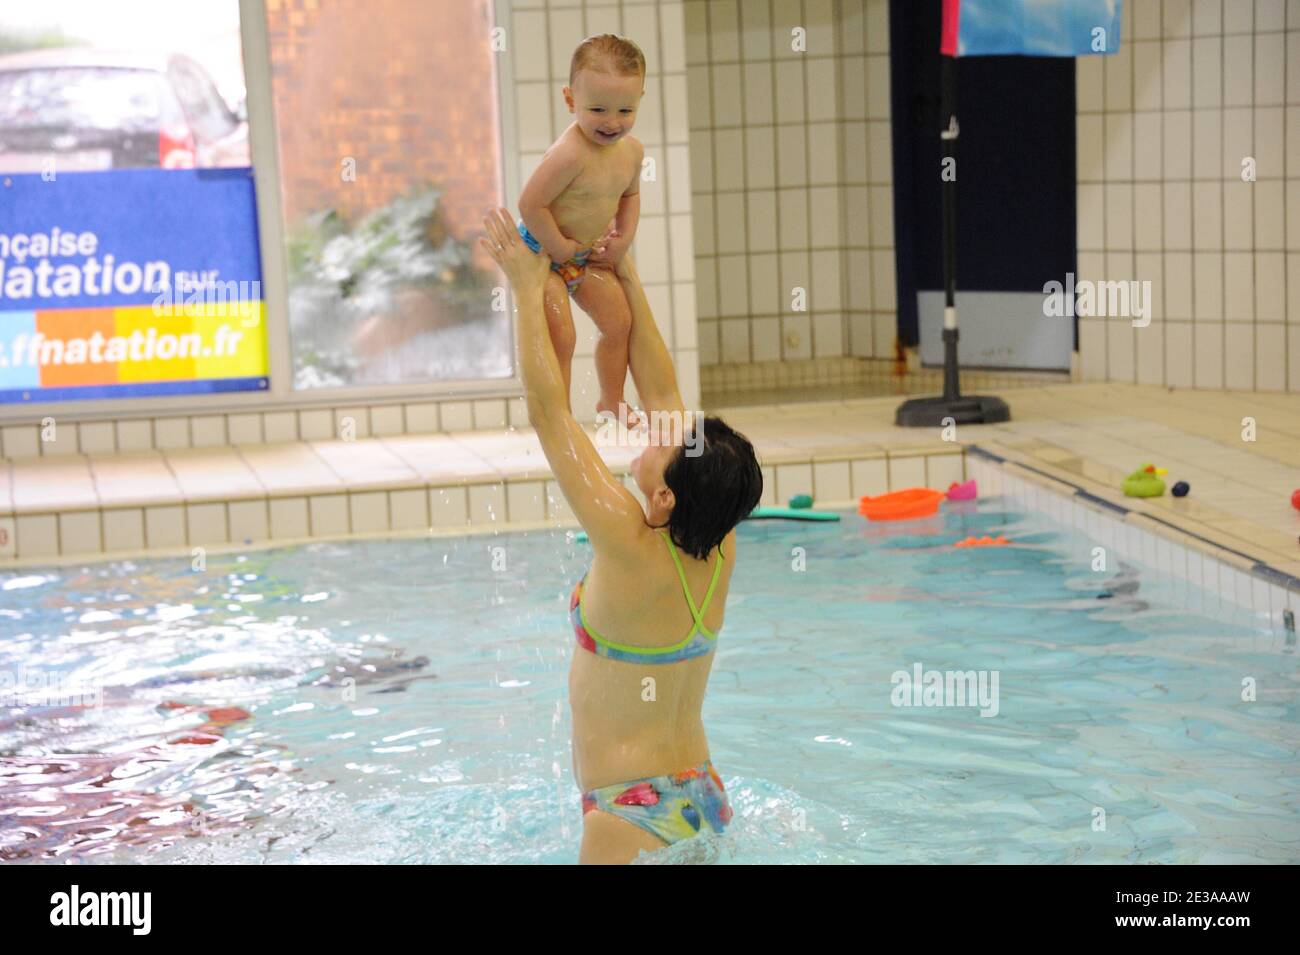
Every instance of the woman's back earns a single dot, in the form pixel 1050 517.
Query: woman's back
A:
pixel 638 719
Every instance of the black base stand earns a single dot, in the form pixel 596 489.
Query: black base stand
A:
pixel 971 409
pixel 962 409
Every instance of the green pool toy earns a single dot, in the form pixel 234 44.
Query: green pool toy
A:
pixel 801 501
pixel 792 514
pixel 766 513
pixel 1144 482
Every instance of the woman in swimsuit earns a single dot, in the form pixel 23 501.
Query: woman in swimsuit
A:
pixel 645 642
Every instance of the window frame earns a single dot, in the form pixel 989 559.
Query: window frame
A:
pixel 280 395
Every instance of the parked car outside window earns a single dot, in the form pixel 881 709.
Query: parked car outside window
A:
pixel 93 110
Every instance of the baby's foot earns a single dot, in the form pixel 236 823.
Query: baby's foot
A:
pixel 619 409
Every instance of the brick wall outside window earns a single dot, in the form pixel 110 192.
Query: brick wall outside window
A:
pixel 405 87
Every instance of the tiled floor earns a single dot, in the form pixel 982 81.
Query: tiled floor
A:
pixel 96 506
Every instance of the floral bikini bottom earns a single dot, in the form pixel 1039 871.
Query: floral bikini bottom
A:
pixel 674 807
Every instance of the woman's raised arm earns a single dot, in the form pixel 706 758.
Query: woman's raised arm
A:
pixel 648 357
pixel 605 508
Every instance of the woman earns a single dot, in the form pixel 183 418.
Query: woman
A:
pixel 636 686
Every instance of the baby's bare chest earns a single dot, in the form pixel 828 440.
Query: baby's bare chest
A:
pixel 602 179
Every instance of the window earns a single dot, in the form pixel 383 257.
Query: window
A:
pixel 129 263
pixel 388 131
pixel 84 88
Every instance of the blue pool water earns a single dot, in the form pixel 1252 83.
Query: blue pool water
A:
pixel 404 701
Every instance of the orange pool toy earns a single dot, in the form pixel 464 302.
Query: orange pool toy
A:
pixel 901 505
pixel 984 541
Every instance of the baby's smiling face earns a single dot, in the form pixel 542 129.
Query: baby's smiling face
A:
pixel 604 105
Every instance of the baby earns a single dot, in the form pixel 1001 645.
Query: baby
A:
pixel 590 176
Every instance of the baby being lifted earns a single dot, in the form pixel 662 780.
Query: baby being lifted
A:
pixel 581 206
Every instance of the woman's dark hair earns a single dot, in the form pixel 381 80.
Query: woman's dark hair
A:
pixel 714 490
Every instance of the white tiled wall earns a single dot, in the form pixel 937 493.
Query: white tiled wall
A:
pixel 1164 126
pixel 791 178
pixel 543 35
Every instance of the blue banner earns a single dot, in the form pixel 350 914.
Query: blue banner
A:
pixel 1030 27
pixel 130 282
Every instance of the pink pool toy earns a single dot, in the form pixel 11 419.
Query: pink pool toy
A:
pixel 965 491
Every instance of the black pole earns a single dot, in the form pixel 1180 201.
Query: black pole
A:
pixel 952 408
pixel 948 136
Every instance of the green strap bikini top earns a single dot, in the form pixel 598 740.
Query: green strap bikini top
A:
pixel 696 643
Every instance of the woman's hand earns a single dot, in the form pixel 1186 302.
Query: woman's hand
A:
pixel 620 260
pixel 609 249
pixel 526 270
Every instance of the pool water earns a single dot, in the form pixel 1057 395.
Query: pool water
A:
pixel 405 701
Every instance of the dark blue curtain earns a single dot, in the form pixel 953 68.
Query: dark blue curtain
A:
pixel 1015 166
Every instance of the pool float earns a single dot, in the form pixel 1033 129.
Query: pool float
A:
pixel 984 541
pixel 901 505
pixel 791 514
pixel 765 513
pixel 965 491
pixel 1144 482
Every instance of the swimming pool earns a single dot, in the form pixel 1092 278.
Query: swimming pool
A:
pixel 405 701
